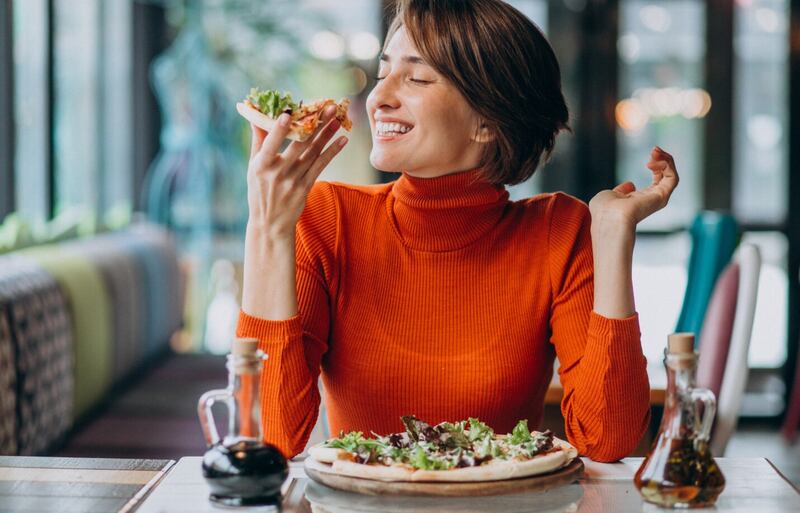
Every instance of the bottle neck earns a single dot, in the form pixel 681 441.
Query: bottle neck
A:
pixel 680 376
pixel 678 417
pixel 244 373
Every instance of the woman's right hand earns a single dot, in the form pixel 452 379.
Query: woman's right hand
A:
pixel 278 183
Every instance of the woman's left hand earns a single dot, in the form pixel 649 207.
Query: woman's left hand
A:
pixel 624 204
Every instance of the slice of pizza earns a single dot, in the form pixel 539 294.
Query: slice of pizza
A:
pixel 462 451
pixel 262 108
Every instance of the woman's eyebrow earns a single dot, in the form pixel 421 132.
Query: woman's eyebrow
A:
pixel 413 59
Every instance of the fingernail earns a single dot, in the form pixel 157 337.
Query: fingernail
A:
pixel 342 141
pixel 284 120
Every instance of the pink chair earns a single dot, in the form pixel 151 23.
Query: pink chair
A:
pixel 734 378
pixel 725 340
pixel 715 336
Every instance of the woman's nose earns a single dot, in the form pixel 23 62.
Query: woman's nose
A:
pixel 384 94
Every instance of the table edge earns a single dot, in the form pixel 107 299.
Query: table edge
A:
pixel 778 471
pixel 135 502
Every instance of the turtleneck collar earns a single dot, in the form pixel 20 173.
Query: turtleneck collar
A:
pixel 447 212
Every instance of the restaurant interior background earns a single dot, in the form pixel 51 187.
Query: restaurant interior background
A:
pixel 117 125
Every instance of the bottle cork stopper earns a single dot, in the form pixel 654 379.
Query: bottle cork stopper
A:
pixel 681 343
pixel 244 346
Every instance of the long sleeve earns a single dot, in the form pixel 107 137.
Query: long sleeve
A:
pixel 289 394
pixel 602 368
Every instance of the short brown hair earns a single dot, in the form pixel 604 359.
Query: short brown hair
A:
pixel 503 66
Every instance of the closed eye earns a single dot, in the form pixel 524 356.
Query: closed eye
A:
pixel 378 79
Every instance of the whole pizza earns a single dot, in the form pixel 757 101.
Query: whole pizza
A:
pixel 467 450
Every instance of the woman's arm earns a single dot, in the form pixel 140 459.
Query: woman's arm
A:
pixel 612 249
pixel 269 295
pixel 595 329
pixel 285 295
pixel 615 214
pixel 277 188
pixel 601 366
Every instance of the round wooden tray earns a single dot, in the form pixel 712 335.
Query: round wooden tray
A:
pixel 320 472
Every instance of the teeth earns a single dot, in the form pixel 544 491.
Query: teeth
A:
pixel 391 128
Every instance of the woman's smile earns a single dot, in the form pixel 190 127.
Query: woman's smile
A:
pixel 390 130
pixel 379 137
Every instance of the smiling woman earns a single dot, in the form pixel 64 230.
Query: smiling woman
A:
pixel 475 110
pixel 435 295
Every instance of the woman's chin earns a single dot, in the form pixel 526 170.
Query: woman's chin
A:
pixel 384 162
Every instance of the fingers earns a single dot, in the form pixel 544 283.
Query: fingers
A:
pixel 323 160
pixel 665 176
pixel 660 154
pixel 295 149
pixel 625 188
pixel 275 138
pixel 313 152
pixel 256 140
pixel 657 167
pixel 671 170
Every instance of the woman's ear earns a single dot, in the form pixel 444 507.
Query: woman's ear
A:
pixel 483 133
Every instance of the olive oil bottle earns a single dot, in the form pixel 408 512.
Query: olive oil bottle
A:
pixel 679 471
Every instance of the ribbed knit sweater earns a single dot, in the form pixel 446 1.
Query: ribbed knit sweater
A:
pixel 441 298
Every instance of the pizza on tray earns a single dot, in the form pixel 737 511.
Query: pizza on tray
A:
pixel 468 450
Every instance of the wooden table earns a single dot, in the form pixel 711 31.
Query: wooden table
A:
pixel 62 485
pixel 753 486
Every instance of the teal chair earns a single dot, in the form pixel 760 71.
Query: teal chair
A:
pixel 714 239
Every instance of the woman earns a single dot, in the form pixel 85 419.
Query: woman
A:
pixel 434 295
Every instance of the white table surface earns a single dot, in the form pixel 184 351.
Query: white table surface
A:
pixel 752 485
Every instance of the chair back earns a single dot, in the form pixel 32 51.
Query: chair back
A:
pixel 714 238
pixel 734 380
pixel 717 330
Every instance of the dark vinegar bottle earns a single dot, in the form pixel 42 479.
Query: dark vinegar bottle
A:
pixel 241 470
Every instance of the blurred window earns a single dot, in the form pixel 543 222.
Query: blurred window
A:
pixel 77 52
pixel 760 164
pixel 660 263
pixel 662 101
pixel 116 149
pixel 30 109
pixel 768 342
pixel 760 128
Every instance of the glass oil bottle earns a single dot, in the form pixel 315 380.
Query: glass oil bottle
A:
pixel 679 471
pixel 241 470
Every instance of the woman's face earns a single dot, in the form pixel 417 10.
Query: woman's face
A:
pixel 421 124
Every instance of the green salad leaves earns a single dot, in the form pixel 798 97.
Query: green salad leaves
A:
pixel 271 102
pixel 444 446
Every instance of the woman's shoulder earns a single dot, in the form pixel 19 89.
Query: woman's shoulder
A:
pixel 335 195
pixel 328 203
pixel 557 207
pixel 326 195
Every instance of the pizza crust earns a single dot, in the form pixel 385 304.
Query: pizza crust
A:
pixel 325 454
pixel 377 472
pixel 296 130
pixel 493 470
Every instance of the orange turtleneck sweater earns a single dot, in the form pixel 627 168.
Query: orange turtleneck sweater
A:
pixel 443 299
